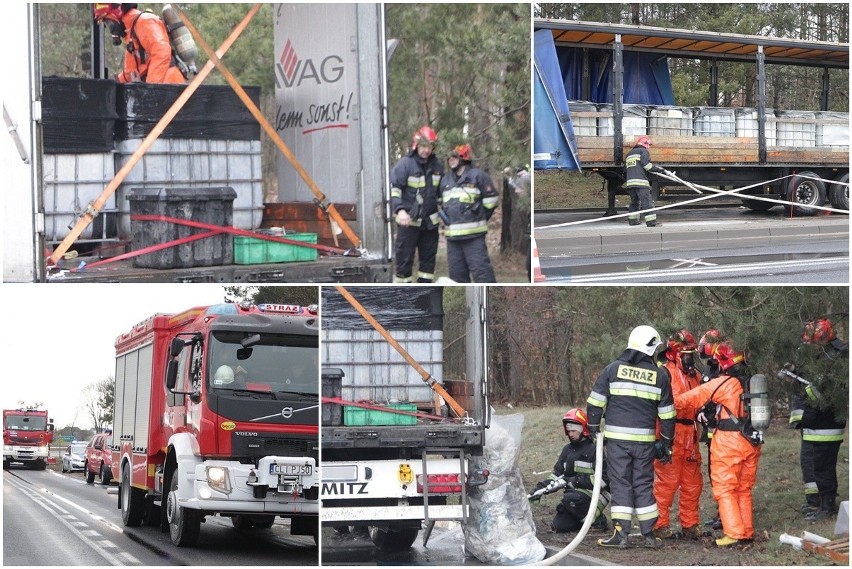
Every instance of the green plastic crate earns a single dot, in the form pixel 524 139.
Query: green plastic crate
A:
pixel 252 251
pixel 286 253
pixel 249 251
pixel 358 416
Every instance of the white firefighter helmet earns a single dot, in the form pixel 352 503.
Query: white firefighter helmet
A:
pixel 224 375
pixel 644 339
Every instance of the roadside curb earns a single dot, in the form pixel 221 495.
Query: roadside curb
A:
pixel 571 242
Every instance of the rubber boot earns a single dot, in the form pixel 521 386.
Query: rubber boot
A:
pixel 600 524
pixel 654 224
pixel 692 532
pixel 811 504
pixel 827 509
pixel 663 532
pixel 618 539
pixel 726 541
pixel 631 222
pixel 652 541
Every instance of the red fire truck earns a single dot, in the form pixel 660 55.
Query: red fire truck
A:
pixel 27 434
pixel 217 413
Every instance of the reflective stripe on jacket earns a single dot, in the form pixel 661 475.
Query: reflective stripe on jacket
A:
pixel 468 200
pixel 414 188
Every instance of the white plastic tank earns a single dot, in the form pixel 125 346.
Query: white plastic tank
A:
pixel 670 121
pixel 747 126
pixel 832 129
pixel 714 121
pixel 71 182
pixel 796 129
pixel 583 126
pixel 633 123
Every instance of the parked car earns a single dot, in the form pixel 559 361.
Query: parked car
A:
pixel 74 457
pixel 99 458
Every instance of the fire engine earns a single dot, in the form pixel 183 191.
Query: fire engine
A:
pixel 27 434
pixel 217 413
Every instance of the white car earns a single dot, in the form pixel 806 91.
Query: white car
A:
pixel 74 457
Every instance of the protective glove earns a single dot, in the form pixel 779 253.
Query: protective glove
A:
pixel 535 496
pixel 593 430
pixel 402 218
pixel 663 450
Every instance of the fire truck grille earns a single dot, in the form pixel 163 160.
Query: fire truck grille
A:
pixel 275 446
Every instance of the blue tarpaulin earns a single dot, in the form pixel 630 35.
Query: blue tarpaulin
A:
pixel 554 145
pixel 647 80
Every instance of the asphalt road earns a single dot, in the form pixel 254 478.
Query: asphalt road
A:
pixel 730 245
pixel 51 518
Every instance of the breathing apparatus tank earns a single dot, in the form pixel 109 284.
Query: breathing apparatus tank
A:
pixel 182 42
pixel 757 405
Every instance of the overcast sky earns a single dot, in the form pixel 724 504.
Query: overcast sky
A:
pixel 58 338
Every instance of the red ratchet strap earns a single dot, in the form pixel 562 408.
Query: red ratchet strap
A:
pixel 244 233
pixel 373 407
pixel 151 249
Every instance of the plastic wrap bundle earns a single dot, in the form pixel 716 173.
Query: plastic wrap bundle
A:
pixel 501 530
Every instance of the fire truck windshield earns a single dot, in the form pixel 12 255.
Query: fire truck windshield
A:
pixel 277 363
pixel 26 422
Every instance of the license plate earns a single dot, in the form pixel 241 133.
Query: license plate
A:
pixel 291 469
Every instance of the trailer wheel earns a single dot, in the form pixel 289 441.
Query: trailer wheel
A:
pixel 805 191
pixel 132 500
pixel 840 194
pixel 184 524
pixel 757 205
pixel 398 539
pixel 106 475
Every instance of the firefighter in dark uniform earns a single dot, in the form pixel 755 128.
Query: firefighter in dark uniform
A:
pixel 637 164
pixel 574 472
pixel 631 393
pixel 414 200
pixel 468 201
pixel 822 430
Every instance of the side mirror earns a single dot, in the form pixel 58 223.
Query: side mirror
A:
pixel 176 347
pixel 171 373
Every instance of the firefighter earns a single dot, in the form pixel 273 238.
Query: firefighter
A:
pixel 415 181
pixel 637 164
pixel 735 450
pixel 684 471
pixel 631 393
pixel 148 50
pixel 468 201
pixel 821 429
pixel 574 472
pixel 707 415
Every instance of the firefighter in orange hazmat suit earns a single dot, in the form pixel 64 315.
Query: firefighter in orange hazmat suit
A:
pixel 734 455
pixel 148 50
pixel 684 471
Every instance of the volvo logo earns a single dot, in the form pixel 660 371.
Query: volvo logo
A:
pixel 287 412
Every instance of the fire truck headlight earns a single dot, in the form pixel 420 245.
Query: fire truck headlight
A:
pixel 8 448
pixel 218 479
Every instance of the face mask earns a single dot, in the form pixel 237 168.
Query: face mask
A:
pixel 116 30
pixel 687 362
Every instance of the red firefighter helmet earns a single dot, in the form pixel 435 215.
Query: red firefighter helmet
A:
pixel 682 341
pixel 463 152
pixel 108 12
pixel 818 331
pixel 726 355
pixel 644 141
pixel 705 344
pixel 425 136
pixel 576 417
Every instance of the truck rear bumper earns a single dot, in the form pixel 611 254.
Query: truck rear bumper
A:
pixel 333 516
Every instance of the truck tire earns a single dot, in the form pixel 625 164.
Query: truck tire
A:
pixel 184 524
pixel 264 522
pixel 106 475
pixel 132 500
pixel 804 191
pixel 397 539
pixel 757 205
pixel 90 476
pixel 40 464
pixel 839 195
pixel 242 522
pixel 6 464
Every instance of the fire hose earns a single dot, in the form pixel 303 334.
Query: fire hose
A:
pixel 590 517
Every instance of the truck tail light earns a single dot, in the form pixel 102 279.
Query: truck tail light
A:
pixel 441 483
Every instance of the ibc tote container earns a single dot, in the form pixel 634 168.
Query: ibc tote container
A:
pixel 714 121
pixel 832 129
pixel 633 123
pixel 583 126
pixel 796 128
pixel 747 126
pixel 670 121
